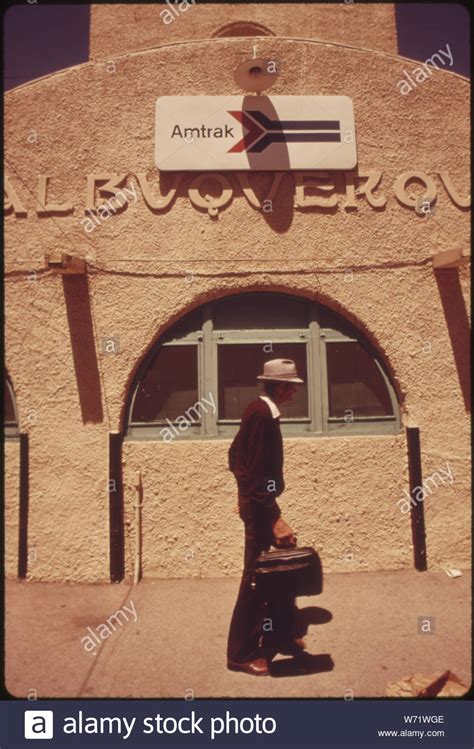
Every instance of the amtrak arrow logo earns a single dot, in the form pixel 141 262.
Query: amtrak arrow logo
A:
pixel 262 132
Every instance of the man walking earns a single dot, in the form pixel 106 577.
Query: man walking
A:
pixel 256 459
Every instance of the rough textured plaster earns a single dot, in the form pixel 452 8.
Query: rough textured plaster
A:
pixel 337 498
pixel 88 120
pixel 118 29
pixel 12 506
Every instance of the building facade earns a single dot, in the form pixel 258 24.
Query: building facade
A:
pixel 140 303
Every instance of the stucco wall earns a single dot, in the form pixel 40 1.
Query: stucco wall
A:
pixel 342 493
pixel 338 499
pixel 116 29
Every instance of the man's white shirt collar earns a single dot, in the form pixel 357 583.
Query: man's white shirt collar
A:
pixel 271 405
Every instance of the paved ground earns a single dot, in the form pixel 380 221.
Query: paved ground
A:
pixel 362 634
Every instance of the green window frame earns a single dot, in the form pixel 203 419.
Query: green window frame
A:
pixel 312 324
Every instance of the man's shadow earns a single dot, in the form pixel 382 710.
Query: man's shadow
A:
pixel 310 615
pixel 305 663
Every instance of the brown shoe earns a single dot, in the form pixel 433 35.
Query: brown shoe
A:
pixel 258 667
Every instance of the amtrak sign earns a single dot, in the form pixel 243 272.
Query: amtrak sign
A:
pixel 236 133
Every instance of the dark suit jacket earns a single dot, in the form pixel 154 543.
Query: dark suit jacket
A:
pixel 256 460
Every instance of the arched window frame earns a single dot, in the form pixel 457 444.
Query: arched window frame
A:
pixel 252 28
pixel 12 430
pixel 317 335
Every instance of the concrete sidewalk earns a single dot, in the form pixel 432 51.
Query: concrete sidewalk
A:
pixel 362 634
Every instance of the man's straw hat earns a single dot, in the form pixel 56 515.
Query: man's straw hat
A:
pixel 280 370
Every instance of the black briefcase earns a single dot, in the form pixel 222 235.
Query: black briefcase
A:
pixel 288 572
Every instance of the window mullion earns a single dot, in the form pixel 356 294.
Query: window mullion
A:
pixel 208 378
pixel 316 383
pixel 324 381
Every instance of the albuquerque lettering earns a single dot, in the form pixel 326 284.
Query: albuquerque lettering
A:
pixel 311 190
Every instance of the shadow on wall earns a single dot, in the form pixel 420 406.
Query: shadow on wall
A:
pixel 24 507
pixel 79 315
pixel 281 216
pixel 457 322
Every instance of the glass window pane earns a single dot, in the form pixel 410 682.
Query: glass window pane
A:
pixel 169 386
pixel 355 382
pixel 331 320
pixel 190 323
pixel 239 365
pixel 9 416
pixel 263 310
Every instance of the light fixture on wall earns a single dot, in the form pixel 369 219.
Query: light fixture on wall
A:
pixel 64 264
pixel 256 75
pixel 448 259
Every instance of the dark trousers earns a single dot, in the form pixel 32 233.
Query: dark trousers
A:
pixel 257 626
